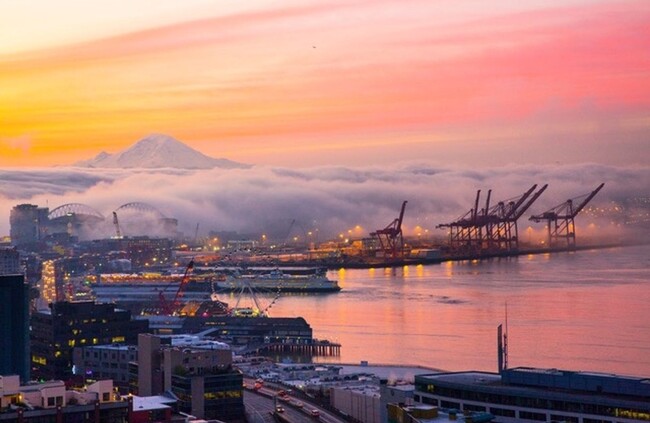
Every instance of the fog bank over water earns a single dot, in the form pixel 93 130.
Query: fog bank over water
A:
pixel 332 199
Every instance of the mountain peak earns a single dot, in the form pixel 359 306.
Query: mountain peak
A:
pixel 158 151
pixel 155 140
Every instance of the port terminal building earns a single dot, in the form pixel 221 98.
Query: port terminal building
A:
pixel 525 394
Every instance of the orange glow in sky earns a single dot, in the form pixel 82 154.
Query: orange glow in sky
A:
pixel 330 82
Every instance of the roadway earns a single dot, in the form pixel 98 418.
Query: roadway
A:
pixel 261 404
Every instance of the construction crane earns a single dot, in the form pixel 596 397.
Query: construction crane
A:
pixel 116 222
pixel 560 220
pixel 390 238
pixel 172 307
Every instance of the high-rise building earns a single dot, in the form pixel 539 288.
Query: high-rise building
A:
pixel 58 278
pixel 14 326
pixel 9 261
pixel 51 284
pixel 55 333
pixel 28 223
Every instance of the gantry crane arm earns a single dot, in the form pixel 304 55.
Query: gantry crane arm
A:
pixel 530 202
pixel 395 227
pixel 587 200
pixel 487 203
pixel 514 206
pixel 566 210
pixel 390 238
pixel 401 218
pixel 475 212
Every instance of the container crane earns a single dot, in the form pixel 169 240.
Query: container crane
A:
pixel 464 234
pixel 505 232
pixel 492 229
pixel 171 307
pixel 390 238
pixel 560 220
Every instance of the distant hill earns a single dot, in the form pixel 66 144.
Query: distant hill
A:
pixel 156 151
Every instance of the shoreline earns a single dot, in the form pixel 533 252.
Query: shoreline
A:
pixel 366 264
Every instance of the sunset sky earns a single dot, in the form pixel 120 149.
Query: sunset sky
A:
pixel 349 82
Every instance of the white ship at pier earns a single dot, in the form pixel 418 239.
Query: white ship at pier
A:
pixel 290 279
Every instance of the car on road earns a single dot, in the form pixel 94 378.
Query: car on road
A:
pixel 279 409
pixel 314 413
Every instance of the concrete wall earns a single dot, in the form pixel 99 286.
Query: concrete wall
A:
pixel 361 406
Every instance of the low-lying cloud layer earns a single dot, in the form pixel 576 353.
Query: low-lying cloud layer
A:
pixel 331 199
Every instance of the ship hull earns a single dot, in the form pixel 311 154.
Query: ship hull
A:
pixel 236 285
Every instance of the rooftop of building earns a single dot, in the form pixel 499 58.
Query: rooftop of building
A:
pixel 304 366
pixel 196 342
pixel 404 387
pixel 466 378
pixel 365 389
pixel 389 372
pixel 155 402
pixel 551 383
pixel 537 370
pixel 10 385
pixel 432 414
pixel 112 347
pixel 38 386
pixel 80 307
pixel 193 342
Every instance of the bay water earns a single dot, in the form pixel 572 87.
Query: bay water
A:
pixel 586 310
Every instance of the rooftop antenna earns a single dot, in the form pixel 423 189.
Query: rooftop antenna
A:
pixel 500 348
pixel 505 341
pixel 502 345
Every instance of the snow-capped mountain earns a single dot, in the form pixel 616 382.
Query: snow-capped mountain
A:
pixel 159 150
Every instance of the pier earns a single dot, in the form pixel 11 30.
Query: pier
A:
pixel 321 348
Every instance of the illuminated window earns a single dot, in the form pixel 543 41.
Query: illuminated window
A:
pixel 39 360
pixel 118 339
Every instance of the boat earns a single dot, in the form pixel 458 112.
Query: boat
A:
pixel 297 279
